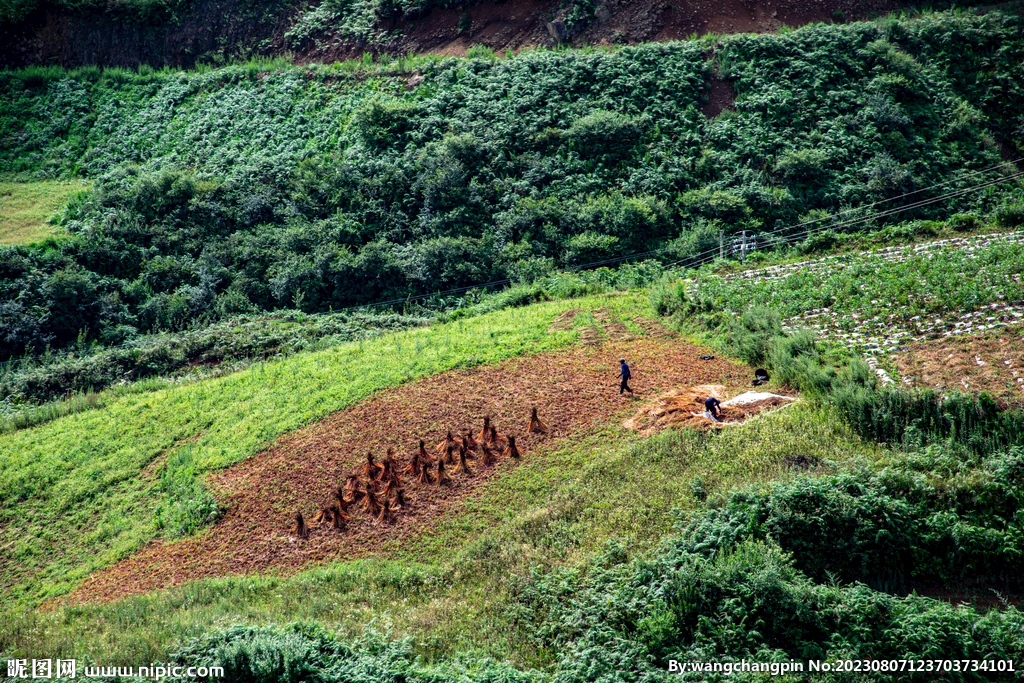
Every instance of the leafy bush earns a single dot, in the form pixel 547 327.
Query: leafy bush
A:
pixel 239 339
pixel 891 529
pixel 626 622
pixel 481 52
pixel 1011 215
pixel 255 188
pixel 298 652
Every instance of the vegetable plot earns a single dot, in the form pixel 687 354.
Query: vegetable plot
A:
pixel 876 301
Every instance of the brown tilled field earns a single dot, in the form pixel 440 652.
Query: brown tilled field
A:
pixel 992 361
pixel 575 390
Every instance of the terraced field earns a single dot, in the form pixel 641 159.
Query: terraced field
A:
pixel 877 301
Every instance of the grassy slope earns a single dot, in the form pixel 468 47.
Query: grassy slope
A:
pixel 26 207
pixel 75 490
pixel 449 590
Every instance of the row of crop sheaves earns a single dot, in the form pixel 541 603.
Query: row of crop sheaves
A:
pixel 379 490
pixel 875 301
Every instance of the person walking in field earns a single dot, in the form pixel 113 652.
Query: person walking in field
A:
pixel 625 374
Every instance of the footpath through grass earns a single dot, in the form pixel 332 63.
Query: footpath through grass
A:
pixel 81 492
pixel 25 208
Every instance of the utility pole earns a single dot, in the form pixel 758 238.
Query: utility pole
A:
pixel 721 244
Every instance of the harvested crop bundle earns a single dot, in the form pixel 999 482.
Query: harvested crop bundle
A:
pixel 413 468
pixel 463 465
pixel 487 457
pixel 339 518
pixel 496 438
pixel 371 502
pixel 449 454
pixel 449 440
pixel 471 443
pixel 442 477
pixel 388 467
pixel 387 514
pixel 511 451
pixel 485 433
pixel 325 515
pixel 353 492
pixel 537 425
pixel 371 469
pixel 301 529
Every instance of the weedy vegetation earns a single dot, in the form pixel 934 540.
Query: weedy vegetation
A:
pixel 250 188
pixel 235 213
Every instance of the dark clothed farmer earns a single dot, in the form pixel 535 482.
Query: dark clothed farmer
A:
pixel 625 374
pixel 711 405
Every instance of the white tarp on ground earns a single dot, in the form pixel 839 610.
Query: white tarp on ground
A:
pixel 752 397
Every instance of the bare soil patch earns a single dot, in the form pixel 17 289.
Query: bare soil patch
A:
pixel 992 361
pixel 575 390
pixel 207 28
pixel 721 96
pixel 514 26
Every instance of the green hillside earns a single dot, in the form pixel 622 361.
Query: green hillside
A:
pixel 253 188
pixel 84 471
pixel 669 546
pixel 183 365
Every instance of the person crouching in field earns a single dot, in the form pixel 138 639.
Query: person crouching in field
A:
pixel 712 408
pixel 625 374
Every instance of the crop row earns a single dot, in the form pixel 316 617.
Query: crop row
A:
pixel 874 302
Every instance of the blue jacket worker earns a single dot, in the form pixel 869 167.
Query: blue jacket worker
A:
pixel 711 405
pixel 625 374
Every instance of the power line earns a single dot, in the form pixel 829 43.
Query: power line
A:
pixel 703 256
pixel 696 259
pixel 1012 162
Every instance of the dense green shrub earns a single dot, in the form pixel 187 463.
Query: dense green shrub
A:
pixel 247 337
pixel 249 188
pixel 625 622
pixel 1011 215
pixel 306 653
pixel 891 529
pixel 241 338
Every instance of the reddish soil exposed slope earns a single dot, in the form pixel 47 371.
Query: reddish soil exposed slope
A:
pixel 214 29
pixel 574 389
pixel 516 25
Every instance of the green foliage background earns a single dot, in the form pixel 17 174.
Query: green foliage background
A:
pixel 223 194
pixel 254 188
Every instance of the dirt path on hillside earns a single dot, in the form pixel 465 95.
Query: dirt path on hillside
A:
pixel 574 389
